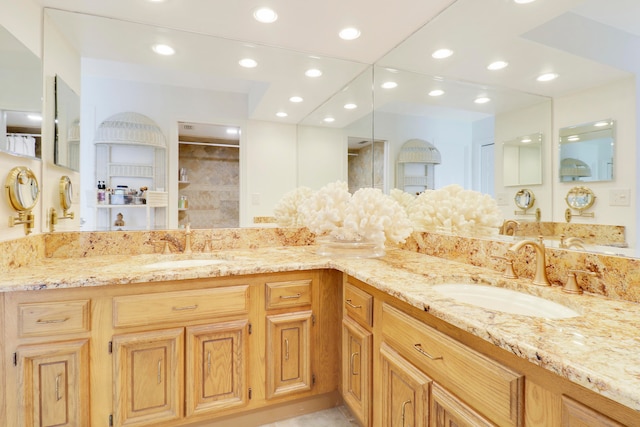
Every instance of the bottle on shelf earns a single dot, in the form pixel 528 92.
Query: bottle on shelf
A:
pixel 183 202
pixel 101 192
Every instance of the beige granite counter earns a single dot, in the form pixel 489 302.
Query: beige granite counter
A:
pixel 599 350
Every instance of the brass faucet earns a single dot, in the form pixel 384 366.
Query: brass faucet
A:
pixel 541 272
pixel 568 242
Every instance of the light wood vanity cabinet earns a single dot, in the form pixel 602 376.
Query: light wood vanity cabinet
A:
pixel 177 353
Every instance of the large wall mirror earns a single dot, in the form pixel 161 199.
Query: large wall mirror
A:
pixel 587 152
pixel 20 98
pixel 522 160
pixel 459 104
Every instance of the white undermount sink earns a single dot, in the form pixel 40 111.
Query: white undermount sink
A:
pixel 183 263
pixel 505 300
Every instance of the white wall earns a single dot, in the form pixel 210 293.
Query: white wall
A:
pixel 616 101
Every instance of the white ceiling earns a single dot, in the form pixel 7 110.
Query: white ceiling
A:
pixel 587 42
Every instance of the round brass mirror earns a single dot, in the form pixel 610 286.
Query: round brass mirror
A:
pixel 66 193
pixel 524 199
pixel 580 198
pixel 22 188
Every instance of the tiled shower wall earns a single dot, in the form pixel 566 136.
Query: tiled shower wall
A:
pixel 360 167
pixel 213 190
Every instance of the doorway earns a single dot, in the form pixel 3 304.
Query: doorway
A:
pixel 208 175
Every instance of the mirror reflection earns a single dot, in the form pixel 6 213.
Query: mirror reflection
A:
pixel 67 126
pixel 522 160
pixel 20 98
pixel 586 152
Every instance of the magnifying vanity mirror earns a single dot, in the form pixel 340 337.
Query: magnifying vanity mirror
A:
pixel 579 198
pixel 525 199
pixel 65 189
pixel 522 160
pixel 586 152
pixel 23 193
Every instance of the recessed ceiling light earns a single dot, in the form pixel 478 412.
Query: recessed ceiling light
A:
pixel 163 49
pixel 156 1
pixel 442 53
pixel 497 65
pixel 523 1
pixel 482 100
pixel 350 33
pixel 248 63
pixel 265 15
pixel 389 85
pixel 313 72
pixel 525 140
pixel 350 106
pixel 436 92
pixel 281 114
pixel 547 77
pixel 296 99
pixel 232 131
pixel 35 117
pixel 328 120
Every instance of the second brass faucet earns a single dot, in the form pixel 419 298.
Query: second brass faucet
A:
pixel 541 263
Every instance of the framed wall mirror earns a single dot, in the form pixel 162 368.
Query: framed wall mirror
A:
pixel 66 149
pixel 587 152
pixel 522 160
pixel 20 98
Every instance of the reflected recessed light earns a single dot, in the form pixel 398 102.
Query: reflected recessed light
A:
pixel 497 65
pixel 573 138
pixel 248 63
pixel 34 117
pixel 328 120
pixel 281 114
pixel 313 72
pixel 442 53
pixel 163 49
pixel 525 140
pixel 350 106
pixel 389 85
pixel 600 124
pixel 436 92
pixel 547 77
pixel 296 99
pixel 265 15
pixel 232 131
pixel 482 100
pixel 156 1
pixel 523 1
pixel 349 33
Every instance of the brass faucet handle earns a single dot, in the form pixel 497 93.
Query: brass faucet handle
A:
pixel 571 287
pixel 509 272
pixel 165 249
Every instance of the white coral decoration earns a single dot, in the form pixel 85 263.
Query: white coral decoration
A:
pixel 405 199
pixel 324 211
pixel 287 211
pixel 455 208
pixel 374 216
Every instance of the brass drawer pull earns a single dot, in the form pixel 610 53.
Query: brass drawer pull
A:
pixel 296 296
pixel 58 397
pixel 352 305
pixel 404 404
pixel 46 322
pixel 186 307
pixel 420 350
pixel 286 351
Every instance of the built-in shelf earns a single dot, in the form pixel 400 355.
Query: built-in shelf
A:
pixel 184 182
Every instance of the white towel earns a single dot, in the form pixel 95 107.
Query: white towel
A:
pixel 30 145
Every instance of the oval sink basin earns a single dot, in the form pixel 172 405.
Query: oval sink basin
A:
pixel 183 263
pixel 505 300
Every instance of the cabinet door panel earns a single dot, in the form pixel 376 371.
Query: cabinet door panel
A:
pixel 216 366
pixel 356 369
pixel 148 377
pixel 575 414
pixel 54 383
pixel 405 391
pixel 288 353
pixel 448 411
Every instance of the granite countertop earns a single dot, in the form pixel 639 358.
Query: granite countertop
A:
pixel 599 350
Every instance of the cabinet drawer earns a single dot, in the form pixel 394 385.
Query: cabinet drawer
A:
pixel 180 306
pixel 53 318
pixel 292 293
pixel 358 304
pixel 487 386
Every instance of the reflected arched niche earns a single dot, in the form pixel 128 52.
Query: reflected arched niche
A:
pixel 415 166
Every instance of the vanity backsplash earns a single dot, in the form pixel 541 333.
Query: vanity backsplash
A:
pixel 617 277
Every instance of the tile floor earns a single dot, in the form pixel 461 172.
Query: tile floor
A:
pixel 335 417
